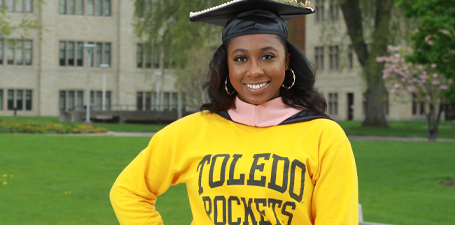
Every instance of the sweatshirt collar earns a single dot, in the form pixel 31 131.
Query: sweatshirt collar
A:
pixel 270 113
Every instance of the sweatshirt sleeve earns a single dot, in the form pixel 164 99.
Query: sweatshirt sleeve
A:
pixel 335 197
pixel 150 174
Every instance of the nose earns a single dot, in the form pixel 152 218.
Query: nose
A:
pixel 254 69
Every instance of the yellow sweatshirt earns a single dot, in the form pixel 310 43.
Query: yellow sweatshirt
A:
pixel 295 174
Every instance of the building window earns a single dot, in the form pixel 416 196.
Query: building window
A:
pixel 333 57
pixel 19 6
pixel 19 100
pixel 334 12
pixel 70 100
pixel 319 58
pixel 18 52
pixel 94 7
pixel 319 8
pixel 1 100
pixel 71 53
pixel 350 57
pixel 149 57
pixel 333 103
pixel 146 100
pixel 96 100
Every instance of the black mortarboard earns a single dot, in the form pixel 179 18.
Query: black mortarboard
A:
pixel 243 17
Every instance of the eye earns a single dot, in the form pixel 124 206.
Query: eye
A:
pixel 240 58
pixel 268 56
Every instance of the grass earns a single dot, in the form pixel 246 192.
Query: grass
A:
pixel 399 181
pixel 396 128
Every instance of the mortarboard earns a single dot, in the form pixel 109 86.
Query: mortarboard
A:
pixel 243 17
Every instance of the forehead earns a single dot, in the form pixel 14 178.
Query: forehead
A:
pixel 255 41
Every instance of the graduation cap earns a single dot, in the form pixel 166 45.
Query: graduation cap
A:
pixel 244 17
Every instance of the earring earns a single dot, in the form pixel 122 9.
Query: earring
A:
pixel 293 82
pixel 225 87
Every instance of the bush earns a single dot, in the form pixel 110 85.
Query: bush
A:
pixel 30 127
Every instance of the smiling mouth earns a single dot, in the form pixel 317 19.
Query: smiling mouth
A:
pixel 256 86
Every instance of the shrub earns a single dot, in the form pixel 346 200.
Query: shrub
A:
pixel 28 126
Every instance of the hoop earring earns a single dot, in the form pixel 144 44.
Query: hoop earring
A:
pixel 293 82
pixel 225 87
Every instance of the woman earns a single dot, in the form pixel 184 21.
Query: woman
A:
pixel 261 151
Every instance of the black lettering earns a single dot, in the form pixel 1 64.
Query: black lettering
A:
pixel 272 184
pixel 286 213
pixel 260 167
pixel 214 184
pixel 262 201
pixel 215 212
pixel 230 200
pixel 205 160
pixel 231 180
pixel 272 203
pixel 206 200
pixel 248 212
pixel 294 165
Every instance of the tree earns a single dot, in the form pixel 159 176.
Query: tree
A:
pixel 21 28
pixel 356 16
pixel 434 40
pixel 423 82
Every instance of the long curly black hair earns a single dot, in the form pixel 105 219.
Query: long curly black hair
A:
pixel 302 94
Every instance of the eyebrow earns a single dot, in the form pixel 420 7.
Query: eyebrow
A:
pixel 262 49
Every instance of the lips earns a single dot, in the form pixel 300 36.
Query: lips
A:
pixel 256 86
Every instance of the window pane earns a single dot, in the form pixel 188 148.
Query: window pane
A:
pixel 107 53
pixel 99 100
pixel 1 100
pixel 148 101
pixel 29 6
pixel 98 54
pixel 108 100
pixel 19 52
pixel 19 99
pixel 80 100
pixel 166 101
pixel 92 55
pixel 71 53
pixel 139 52
pixel 28 52
pixel 90 7
pixel 62 54
pixel 174 101
pixel 156 56
pixel 107 7
pixel 148 56
pixel 139 100
pixel 71 101
pixel 1 51
pixel 19 5
pixel 10 99
pixel 28 100
pixel 62 101
pixel 80 7
pixel 80 53
pixel 71 7
pixel 62 7
pixel 10 54
pixel 10 5
pixel 99 7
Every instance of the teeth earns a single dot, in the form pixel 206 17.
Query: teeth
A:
pixel 256 86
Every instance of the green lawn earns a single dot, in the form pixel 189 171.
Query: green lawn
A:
pixel 396 128
pixel 399 181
